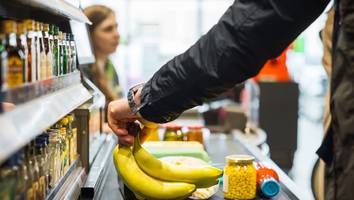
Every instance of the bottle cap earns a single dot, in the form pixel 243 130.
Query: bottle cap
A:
pixel 270 188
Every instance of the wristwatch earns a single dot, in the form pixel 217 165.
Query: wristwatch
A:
pixel 131 93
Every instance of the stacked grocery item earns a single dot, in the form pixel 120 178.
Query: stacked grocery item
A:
pixel 34 170
pixel 32 51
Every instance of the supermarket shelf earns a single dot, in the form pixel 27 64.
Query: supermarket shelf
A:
pixel 97 176
pixel 56 7
pixel 37 89
pixel 68 187
pixel 26 121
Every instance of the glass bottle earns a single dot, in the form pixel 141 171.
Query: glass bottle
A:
pixel 240 177
pixel 2 69
pixel 61 138
pixel 64 53
pixel 30 193
pixel 54 157
pixel 31 55
pixel 43 54
pixel 46 157
pixel 39 154
pixel 35 170
pixel 69 53
pixel 38 50
pixel 51 46
pixel 173 133
pixel 8 174
pixel 12 57
pixel 22 178
pixel 56 54
pixel 69 132
pixel 195 133
pixel 48 51
pixel 64 133
pixel 21 44
pixel 73 53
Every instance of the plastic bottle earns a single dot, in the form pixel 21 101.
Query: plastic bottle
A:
pixel 267 181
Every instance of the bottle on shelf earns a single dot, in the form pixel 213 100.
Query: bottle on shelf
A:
pixel 38 51
pixel 40 158
pixel 30 193
pixel 43 54
pixel 73 53
pixel 51 46
pixel 64 133
pixel 46 157
pixel 48 51
pixel 68 52
pixel 31 55
pixel 8 175
pixel 12 57
pixel 2 48
pixel 54 157
pixel 21 44
pixel 63 53
pixel 35 172
pixel 56 52
pixel 23 182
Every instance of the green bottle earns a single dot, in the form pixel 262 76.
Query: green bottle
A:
pixel 56 55
pixel 64 54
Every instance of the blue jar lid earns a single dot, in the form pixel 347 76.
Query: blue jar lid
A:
pixel 270 188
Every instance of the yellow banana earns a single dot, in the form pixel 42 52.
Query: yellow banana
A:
pixel 201 176
pixel 144 185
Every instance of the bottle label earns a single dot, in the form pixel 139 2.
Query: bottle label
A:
pixel 56 60
pixel 43 68
pixel 49 64
pixel 33 61
pixel 15 71
pixel 225 187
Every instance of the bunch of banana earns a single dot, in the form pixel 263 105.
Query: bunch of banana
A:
pixel 201 176
pixel 151 178
pixel 144 185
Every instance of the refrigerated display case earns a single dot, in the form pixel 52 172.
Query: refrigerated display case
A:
pixel 38 104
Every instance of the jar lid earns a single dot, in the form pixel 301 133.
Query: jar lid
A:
pixel 195 127
pixel 240 159
pixel 172 126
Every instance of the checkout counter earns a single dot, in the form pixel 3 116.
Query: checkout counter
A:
pixel 218 145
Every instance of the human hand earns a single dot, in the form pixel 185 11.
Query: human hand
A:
pixel 119 115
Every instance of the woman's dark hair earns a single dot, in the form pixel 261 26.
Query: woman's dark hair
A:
pixel 97 14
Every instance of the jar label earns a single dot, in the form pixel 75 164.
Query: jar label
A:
pixel 225 187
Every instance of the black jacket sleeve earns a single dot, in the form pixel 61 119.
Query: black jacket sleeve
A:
pixel 235 49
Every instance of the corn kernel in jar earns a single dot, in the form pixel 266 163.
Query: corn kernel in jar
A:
pixel 240 177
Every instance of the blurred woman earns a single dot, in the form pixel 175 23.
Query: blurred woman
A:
pixel 105 39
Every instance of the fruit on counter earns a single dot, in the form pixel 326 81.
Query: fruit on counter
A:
pixel 201 176
pixel 144 185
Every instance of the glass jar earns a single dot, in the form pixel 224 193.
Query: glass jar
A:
pixel 152 133
pixel 195 133
pixel 173 133
pixel 240 177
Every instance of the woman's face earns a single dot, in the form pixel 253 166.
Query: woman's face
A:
pixel 105 36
